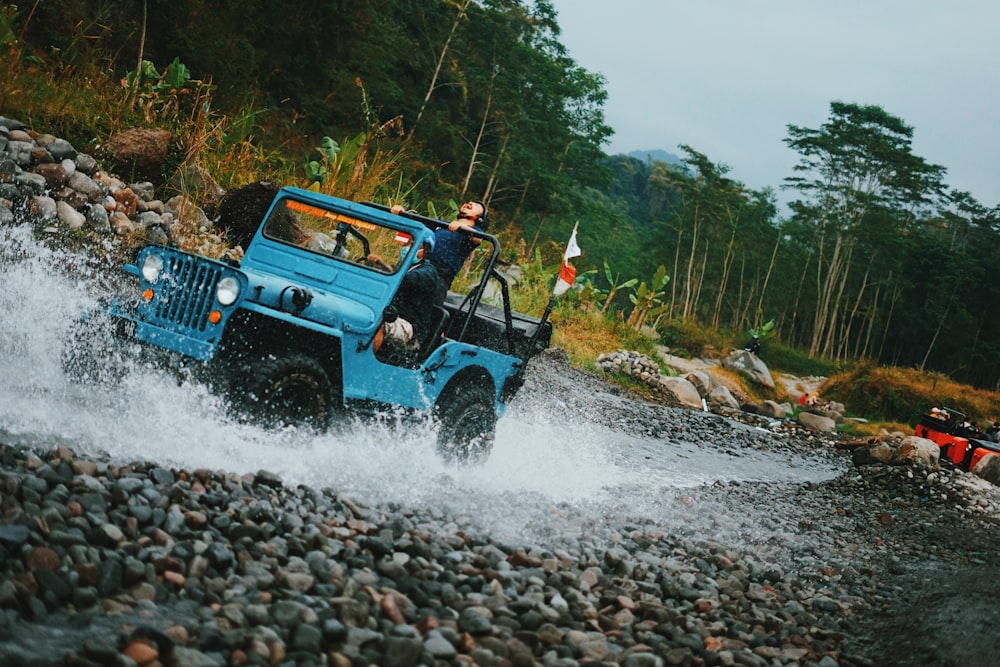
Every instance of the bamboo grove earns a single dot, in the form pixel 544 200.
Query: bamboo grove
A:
pixel 875 258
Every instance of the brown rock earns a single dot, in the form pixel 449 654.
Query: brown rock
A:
pixel 167 564
pixel 79 467
pixel 339 660
pixel 88 573
pixel 175 578
pixel 121 223
pixel 989 469
pixel 140 151
pixel 141 651
pixel 625 602
pixel 391 609
pixel 178 633
pixel 428 623
pixel 195 519
pixel 242 209
pixel 42 558
pixel 277 653
pixel 127 201
pixel 24 583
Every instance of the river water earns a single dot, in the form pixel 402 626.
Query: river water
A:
pixel 545 470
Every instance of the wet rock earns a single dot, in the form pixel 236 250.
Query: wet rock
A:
pixel 13 536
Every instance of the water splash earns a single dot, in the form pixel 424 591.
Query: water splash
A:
pixel 544 471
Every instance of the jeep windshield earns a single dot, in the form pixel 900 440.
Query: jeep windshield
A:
pixel 338 235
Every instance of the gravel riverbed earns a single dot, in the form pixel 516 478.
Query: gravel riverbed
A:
pixel 119 562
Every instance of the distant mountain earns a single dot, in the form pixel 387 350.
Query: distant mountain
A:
pixel 658 155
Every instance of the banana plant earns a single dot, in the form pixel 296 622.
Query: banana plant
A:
pixel 160 94
pixel 615 286
pixel 648 299
pixel 316 170
pixel 764 330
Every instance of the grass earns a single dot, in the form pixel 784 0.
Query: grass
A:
pixel 84 103
pixel 893 394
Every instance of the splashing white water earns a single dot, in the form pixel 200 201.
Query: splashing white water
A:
pixel 538 462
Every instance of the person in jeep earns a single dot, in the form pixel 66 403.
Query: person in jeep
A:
pixel 420 291
pixel 452 247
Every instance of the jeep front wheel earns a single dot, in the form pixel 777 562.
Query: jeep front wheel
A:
pixel 467 415
pixel 287 391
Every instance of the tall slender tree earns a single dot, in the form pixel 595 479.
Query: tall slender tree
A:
pixel 860 158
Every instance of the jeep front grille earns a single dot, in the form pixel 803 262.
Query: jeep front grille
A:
pixel 186 294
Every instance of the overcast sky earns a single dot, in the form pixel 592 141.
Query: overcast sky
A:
pixel 728 76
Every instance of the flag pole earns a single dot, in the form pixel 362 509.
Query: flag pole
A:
pixel 564 279
pixel 548 308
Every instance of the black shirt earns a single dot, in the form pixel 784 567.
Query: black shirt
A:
pixel 420 291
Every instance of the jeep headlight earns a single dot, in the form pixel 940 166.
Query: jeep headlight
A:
pixel 227 291
pixel 152 267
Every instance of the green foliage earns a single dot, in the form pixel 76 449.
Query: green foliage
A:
pixel 172 97
pixel 687 338
pixel 614 285
pixel 534 287
pixel 795 361
pixel 648 301
pixel 765 330
pixel 879 395
pixel 902 395
pixel 879 259
pixel 8 14
pixel 316 170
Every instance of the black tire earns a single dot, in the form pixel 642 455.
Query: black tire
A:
pixel 292 390
pixel 467 415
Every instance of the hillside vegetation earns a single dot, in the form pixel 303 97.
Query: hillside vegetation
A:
pixel 880 267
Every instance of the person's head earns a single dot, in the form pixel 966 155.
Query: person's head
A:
pixel 475 211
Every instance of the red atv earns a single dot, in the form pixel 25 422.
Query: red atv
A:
pixel 961 443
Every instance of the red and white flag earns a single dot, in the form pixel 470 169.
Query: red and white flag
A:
pixel 567 274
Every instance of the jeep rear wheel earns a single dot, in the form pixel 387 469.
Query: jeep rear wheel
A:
pixel 288 391
pixel 468 418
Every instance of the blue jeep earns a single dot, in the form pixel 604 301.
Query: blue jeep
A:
pixel 286 333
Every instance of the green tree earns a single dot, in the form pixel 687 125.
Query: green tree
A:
pixel 861 158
